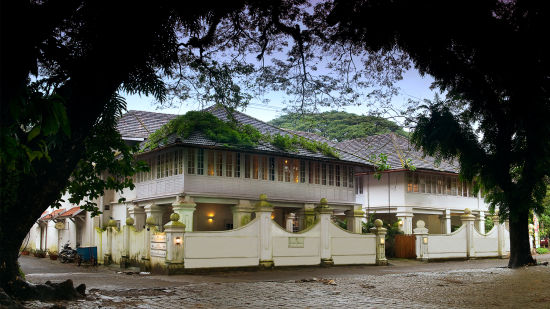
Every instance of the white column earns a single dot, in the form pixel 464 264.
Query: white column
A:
pixel 481 222
pixel 290 222
pixel 242 213
pixel 263 212
pixel 174 242
pixel 154 215
pixel 447 221
pixel 380 242
pixel 325 212
pixel 422 239
pixel 406 222
pixel 185 207
pixel 500 233
pixel 138 214
pixel 354 219
pixel 468 220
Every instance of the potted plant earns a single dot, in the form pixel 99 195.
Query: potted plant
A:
pixel 53 255
pixel 40 253
pixel 25 251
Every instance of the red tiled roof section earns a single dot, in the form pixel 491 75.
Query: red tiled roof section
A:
pixel 71 212
pixel 53 214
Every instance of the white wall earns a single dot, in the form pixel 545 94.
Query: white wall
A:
pixel 235 248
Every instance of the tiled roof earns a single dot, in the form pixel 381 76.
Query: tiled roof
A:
pixel 71 212
pixel 199 139
pixel 398 149
pixel 53 215
pixel 140 124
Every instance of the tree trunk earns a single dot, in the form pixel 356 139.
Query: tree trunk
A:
pixel 520 250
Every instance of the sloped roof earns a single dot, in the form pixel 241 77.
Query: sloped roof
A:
pixel 72 212
pixel 199 139
pixel 140 124
pixel 53 215
pixel 398 149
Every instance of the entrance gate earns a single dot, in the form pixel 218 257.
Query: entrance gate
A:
pixel 405 246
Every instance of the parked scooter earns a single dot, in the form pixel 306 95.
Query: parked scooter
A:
pixel 68 254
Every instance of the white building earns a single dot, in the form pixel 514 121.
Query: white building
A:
pixel 432 193
pixel 215 187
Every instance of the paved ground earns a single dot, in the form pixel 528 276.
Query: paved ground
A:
pixel 403 284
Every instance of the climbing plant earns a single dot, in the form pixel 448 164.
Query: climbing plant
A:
pixel 230 133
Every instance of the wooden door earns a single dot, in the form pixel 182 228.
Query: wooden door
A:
pixel 405 246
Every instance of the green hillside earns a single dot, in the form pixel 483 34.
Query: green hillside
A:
pixel 338 126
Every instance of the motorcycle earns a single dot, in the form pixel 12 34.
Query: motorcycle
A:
pixel 68 254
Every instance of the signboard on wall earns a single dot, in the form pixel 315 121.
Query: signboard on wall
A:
pixel 158 245
pixel 60 225
pixel 296 242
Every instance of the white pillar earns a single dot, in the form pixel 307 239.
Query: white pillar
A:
pixel 290 222
pixel 468 220
pixel 406 222
pixel 447 221
pixel 354 219
pixel 175 231
pixel 380 242
pixel 185 207
pixel 154 215
pixel 138 214
pixel 263 212
pixel 242 213
pixel 324 212
pixel 422 239
pixel 481 222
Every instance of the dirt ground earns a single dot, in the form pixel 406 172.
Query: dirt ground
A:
pixel 403 284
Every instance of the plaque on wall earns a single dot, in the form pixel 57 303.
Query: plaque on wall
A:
pixel 296 242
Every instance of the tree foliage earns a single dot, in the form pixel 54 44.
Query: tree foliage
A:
pixel 338 126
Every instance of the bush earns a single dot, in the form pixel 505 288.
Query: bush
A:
pixel 542 250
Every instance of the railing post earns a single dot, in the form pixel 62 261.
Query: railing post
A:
pixel 175 231
pixel 380 233
pixel 263 212
pixel 468 220
pixel 421 233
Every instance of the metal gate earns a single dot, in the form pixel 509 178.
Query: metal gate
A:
pixel 405 246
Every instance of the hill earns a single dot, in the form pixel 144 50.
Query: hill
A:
pixel 338 126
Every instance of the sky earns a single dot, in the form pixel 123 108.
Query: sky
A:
pixel 412 86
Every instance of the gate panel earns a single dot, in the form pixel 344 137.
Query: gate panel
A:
pixel 405 246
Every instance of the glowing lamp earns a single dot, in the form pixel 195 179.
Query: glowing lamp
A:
pixel 178 240
pixel 425 240
pixel 382 240
pixel 210 217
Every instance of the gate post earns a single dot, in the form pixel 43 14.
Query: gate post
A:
pixel 421 233
pixel 107 259
pixel 174 244
pixel 468 220
pixel 263 212
pixel 500 233
pixel 125 258
pixel 324 214
pixel 380 242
